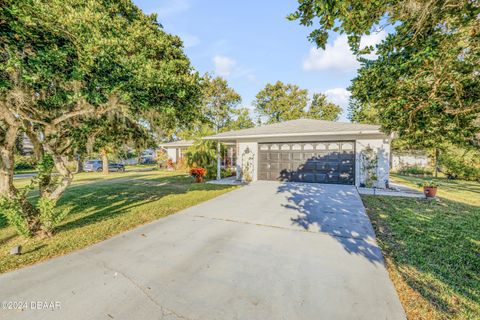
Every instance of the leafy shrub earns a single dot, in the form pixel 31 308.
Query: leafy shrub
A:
pixel 170 164
pixel 49 217
pixel 24 162
pixel 161 157
pixel 182 164
pixel 11 208
pixel 227 172
pixel 459 163
pixel 202 153
pixel 211 171
pixel 198 172
pixel 414 170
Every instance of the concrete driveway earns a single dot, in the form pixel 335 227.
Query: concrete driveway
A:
pixel 266 251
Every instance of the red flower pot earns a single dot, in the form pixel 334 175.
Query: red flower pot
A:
pixel 198 179
pixel 430 192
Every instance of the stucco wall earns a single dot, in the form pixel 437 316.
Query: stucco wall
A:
pixel 404 160
pixel 379 143
pixel 172 154
pixel 248 151
pixel 382 148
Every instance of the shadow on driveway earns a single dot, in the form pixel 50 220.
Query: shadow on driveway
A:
pixel 333 209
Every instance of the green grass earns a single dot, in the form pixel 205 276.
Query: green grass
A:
pixel 141 166
pixel 456 190
pixel 23 171
pixel 432 248
pixel 102 206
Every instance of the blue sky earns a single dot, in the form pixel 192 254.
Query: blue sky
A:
pixel 251 43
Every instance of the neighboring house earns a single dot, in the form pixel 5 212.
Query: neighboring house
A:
pixel 409 159
pixel 27 146
pixel 309 150
pixel 176 149
pixel 148 156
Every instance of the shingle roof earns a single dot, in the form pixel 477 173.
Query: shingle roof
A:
pixel 179 143
pixel 300 127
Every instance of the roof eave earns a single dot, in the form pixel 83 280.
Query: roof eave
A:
pixel 280 135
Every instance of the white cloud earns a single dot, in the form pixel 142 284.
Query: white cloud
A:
pixel 223 65
pixel 338 54
pixel 169 8
pixel 372 40
pixel 189 40
pixel 339 96
pixel 227 67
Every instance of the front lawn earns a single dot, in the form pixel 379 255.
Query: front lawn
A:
pixel 432 248
pixel 102 206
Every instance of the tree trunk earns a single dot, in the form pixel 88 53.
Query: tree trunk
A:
pixel 6 172
pixel 67 178
pixel 436 162
pixel 104 161
pixel 79 167
pixel 7 189
pixel 7 164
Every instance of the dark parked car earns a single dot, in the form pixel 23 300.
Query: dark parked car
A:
pixel 97 166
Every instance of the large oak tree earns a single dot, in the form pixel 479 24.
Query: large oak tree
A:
pixel 281 102
pixel 424 85
pixel 68 63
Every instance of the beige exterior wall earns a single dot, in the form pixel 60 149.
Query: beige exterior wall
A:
pixel 382 149
pixel 172 154
pixel 378 142
pixel 248 152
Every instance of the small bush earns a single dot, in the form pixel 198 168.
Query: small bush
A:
pixel 464 166
pixel 227 172
pixel 211 171
pixel 182 164
pixel 198 172
pixel 12 210
pixel 49 217
pixel 25 162
pixel 415 170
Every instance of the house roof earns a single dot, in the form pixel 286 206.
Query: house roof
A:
pixel 179 143
pixel 300 127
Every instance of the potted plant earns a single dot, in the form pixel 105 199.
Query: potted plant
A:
pixel 198 173
pixel 429 188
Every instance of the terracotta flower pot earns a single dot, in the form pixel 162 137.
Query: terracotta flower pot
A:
pixel 430 192
pixel 198 179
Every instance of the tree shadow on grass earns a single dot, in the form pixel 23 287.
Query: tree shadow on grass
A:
pixel 434 246
pixel 333 210
pixel 91 203
pixel 3 221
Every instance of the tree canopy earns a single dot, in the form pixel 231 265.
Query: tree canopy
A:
pixel 219 101
pixel 70 67
pixel 424 84
pixel 281 102
pixel 240 120
pixel 322 109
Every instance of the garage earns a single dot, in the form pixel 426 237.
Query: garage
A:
pixel 321 161
pixel 310 150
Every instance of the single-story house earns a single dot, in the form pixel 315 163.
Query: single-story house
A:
pixel 176 150
pixel 308 150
